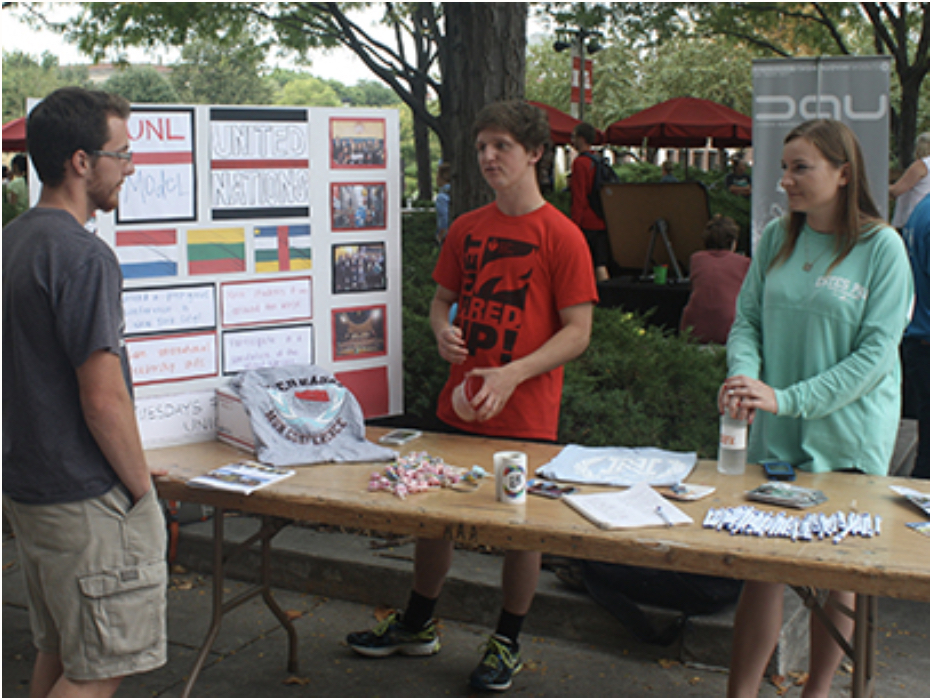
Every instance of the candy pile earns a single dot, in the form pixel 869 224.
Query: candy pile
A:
pixel 421 472
pixel 749 521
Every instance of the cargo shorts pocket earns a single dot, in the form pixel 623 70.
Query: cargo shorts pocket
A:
pixel 124 609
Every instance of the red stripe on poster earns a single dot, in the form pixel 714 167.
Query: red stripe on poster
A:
pixel 181 158
pixel 284 250
pixel 134 238
pixel 259 164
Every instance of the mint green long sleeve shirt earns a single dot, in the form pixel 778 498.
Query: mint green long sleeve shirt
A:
pixel 828 346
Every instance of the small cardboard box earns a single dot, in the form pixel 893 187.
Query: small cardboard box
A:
pixel 232 421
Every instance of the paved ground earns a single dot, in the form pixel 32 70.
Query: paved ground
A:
pixel 249 656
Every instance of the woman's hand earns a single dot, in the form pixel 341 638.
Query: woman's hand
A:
pixel 742 396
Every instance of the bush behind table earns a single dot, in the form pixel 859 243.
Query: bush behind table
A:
pixel 636 385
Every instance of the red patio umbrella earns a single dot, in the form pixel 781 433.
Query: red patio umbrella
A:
pixel 683 122
pixel 561 125
pixel 14 136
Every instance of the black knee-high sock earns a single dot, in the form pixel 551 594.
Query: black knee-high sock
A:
pixel 419 611
pixel 509 626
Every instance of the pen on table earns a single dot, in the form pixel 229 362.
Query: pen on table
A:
pixel 661 512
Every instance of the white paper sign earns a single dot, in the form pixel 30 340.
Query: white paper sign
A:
pixel 265 348
pixel 178 357
pixel 263 302
pixel 169 309
pixel 175 419
pixel 163 185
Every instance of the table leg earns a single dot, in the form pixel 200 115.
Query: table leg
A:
pixel 270 528
pixel 865 631
pixel 864 643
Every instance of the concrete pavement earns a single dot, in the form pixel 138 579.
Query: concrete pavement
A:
pixel 579 650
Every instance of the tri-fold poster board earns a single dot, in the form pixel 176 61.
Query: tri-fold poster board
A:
pixel 252 237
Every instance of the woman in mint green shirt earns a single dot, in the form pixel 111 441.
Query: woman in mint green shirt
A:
pixel 813 358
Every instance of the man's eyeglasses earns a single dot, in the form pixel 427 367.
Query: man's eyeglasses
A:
pixel 125 156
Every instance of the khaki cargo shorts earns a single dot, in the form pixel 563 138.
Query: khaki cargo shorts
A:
pixel 96 580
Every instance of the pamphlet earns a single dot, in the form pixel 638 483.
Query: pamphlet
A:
pixel 787 495
pixel 919 499
pixel 398 437
pixel 687 493
pixel 638 507
pixel 244 477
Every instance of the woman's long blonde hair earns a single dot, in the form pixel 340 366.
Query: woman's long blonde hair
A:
pixel 859 215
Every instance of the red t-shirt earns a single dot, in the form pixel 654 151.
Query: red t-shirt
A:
pixel 716 279
pixel 581 183
pixel 513 275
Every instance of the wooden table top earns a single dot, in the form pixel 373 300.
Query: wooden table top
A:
pixel 894 564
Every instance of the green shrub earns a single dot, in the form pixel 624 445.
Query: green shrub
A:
pixel 639 385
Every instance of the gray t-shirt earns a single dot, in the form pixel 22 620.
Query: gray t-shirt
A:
pixel 301 414
pixel 61 303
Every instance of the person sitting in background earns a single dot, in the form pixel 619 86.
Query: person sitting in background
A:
pixel 739 182
pixel 668 177
pixel 443 199
pixel 717 275
pixel 913 185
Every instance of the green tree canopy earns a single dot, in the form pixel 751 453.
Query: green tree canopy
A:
pixel 141 84
pixel 308 91
pixel 213 72
pixel 24 76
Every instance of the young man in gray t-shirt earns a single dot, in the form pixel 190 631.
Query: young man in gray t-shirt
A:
pixel 73 464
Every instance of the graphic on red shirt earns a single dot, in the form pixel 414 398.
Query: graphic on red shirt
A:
pixel 491 315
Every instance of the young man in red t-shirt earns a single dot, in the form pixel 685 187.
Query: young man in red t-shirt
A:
pixel 521 276
pixel 581 183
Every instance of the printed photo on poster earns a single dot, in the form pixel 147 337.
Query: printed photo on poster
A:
pixel 359 333
pixel 163 186
pixel 358 206
pixel 359 268
pixel 357 143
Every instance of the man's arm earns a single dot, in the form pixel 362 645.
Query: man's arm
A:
pixel 565 345
pixel 109 414
pixel 448 336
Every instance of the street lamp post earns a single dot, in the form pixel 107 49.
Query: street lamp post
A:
pixel 578 39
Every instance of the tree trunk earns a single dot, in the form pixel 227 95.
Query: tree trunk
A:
pixel 486 63
pixel 421 148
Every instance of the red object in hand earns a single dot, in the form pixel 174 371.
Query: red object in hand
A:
pixel 472 387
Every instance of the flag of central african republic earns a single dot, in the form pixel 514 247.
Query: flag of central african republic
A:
pixel 282 248
pixel 216 250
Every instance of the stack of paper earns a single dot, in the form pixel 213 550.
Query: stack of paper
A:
pixel 638 507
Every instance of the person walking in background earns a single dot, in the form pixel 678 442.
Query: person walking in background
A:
pixel 914 185
pixel 582 184
pixel 76 488
pixel 717 275
pixel 916 346
pixel 835 275
pixel 521 275
pixel 443 201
